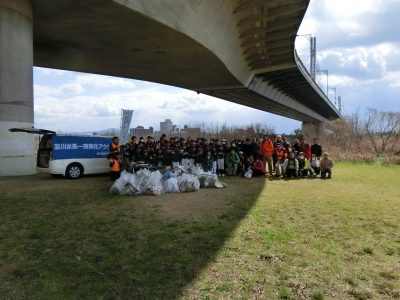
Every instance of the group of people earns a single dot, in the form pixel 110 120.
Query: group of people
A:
pixel 250 158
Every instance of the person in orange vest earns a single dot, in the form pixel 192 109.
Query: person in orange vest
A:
pixel 280 154
pixel 115 165
pixel 114 146
pixel 266 151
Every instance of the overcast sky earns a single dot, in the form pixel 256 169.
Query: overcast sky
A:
pixel 358 41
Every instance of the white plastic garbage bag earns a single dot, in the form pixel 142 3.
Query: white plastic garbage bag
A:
pixel 168 175
pixel 134 185
pixel 145 182
pixel 188 183
pixel 207 179
pixel 171 185
pixel 125 176
pixel 154 184
pixel 120 187
pixel 249 173
pixel 143 173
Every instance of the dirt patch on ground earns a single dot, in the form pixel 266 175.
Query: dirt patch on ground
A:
pixel 194 206
pixel 46 183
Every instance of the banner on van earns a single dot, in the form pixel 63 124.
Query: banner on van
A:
pixel 68 147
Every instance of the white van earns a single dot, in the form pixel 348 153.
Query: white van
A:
pixel 70 155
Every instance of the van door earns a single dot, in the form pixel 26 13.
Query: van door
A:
pixel 45 144
pixel 44 151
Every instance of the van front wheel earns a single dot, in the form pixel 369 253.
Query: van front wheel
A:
pixel 74 171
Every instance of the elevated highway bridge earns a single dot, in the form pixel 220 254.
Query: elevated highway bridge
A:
pixel 238 50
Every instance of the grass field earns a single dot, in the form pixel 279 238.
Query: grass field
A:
pixel 256 239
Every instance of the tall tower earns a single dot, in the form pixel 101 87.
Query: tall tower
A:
pixel 313 56
pixel 126 118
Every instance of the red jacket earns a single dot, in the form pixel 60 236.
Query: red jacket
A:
pixel 267 148
pixel 280 154
pixel 259 166
pixel 306 149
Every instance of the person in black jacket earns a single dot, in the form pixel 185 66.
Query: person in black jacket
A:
pixel 296 147
pixel 316 148
pixel 255 148
pixel 199 157
pixel 246 148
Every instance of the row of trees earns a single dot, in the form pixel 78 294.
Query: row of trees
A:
pixel 359 136
pixel 363 136
pixel 374 131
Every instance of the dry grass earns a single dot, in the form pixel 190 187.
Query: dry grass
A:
pixel 351 155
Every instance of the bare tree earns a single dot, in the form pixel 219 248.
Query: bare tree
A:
pixel 382 128
pixel 269 129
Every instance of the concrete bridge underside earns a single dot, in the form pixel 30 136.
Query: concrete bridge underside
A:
pixel 238 50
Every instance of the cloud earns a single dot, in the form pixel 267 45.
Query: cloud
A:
pixel 358 42
pixel 151 105
pixel 67 88
pixel 78 83
pixel 352 23
pixel 104 81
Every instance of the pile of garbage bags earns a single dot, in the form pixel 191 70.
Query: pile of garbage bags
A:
pixel 145 182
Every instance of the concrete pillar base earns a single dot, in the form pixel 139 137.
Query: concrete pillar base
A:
pixel 17 150
pixel 312 129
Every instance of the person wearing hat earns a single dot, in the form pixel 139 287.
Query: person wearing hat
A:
pixel 278 140
pixel 303 165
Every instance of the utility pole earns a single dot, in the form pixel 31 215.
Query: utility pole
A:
pixel 334 89
pixel 327 80
pixel 340 104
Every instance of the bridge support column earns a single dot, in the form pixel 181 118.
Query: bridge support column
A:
pixel 17 151
pixel 312 129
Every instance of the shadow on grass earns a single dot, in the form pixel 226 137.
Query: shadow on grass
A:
pixel 70 239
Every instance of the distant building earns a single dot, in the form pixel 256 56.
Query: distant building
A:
pixel 193 132
pixel 166 126
pixel 141 131
pixel 240 133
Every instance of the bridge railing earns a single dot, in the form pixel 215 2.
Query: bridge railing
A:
pixel 320 88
